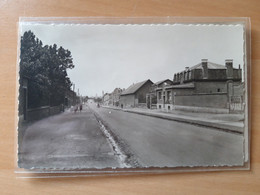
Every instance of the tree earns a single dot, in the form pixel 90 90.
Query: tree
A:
pixel 46 67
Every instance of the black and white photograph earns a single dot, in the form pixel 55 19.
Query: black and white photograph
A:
pixel 116 96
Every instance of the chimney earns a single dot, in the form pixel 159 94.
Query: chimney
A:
pixel 229 65
pixel 174 78
pixel 204 63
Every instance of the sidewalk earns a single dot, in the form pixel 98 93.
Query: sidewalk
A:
pixel 226 122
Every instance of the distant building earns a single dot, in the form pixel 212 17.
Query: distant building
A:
pixel 135 95
pixel 107 99
pixel 115 96
pixel 151 98
pixel 204 87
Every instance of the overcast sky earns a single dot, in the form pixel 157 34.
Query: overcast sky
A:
pixel 110 56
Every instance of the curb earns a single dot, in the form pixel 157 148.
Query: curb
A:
pixel 221 127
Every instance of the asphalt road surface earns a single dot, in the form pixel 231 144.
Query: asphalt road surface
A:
pixel 67 141
pixel 102 137
pixel 157 142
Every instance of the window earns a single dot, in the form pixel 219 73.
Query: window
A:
pixel 160 106
pixel 169 107
pixel 218 90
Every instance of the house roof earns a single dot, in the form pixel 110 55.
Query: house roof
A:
pixel 162 81
pixel 135 87
pixel 181 86
pixel 211 65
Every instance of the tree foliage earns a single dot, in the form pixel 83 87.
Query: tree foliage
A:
pixel 45 66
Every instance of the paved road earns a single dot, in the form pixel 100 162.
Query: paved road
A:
pixel 67 141
pixel 159 143
pixel 72 141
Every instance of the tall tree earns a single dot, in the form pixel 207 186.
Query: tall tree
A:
pixel 46 67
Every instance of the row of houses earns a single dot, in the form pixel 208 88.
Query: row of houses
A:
pixel 112 99
pixel 205 87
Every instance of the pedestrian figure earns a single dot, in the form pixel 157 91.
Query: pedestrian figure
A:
pixel 80 107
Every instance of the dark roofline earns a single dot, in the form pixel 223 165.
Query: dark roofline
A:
pixel 159 82
pixel 144 82
pixel 181 86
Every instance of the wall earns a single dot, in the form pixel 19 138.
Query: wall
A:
pixel 141 93
pixel 127 100
pixel 42 112
pixel 210 87
pixel 217 73
pixel 204 100
pixel 141 105
pixel 173 91
pixel 206 95
pixel 165 107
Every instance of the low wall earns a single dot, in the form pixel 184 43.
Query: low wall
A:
pixel 55 110
pixel 38 113
pixel 154 106
pixel 127 101
pixel 142 105
pixel 42 112
pixel 202 109
pixel 211 100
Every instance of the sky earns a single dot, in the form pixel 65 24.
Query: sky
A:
pixel 110 56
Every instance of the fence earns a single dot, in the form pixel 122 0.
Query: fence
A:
pixel 236 104
pixel 43 112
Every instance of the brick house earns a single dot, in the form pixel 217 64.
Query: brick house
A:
pixel 135 95
pixel 207 87
pixel 151 98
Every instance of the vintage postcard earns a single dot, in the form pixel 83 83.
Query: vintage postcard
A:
pixel 112 96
